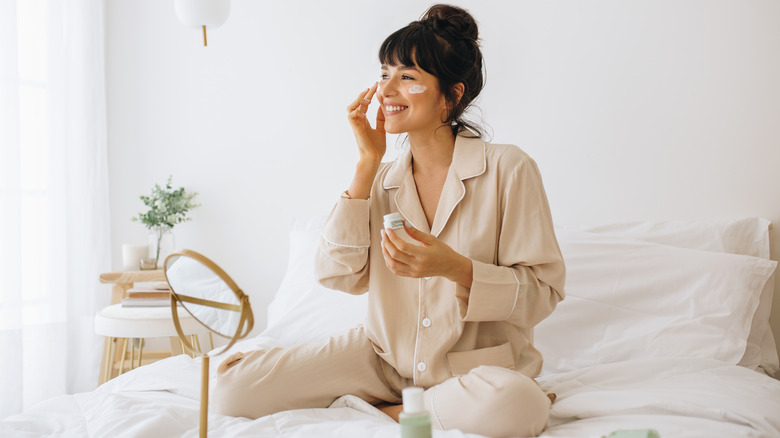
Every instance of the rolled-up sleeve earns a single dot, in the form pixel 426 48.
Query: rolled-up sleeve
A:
pixel 527 283
pixel 341 262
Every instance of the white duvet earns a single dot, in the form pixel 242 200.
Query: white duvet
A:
pixel 635 303
pixel 678 397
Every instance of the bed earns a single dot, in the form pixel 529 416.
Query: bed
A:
pixel 665 326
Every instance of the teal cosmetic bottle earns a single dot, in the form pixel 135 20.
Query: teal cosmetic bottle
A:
pixel 415 420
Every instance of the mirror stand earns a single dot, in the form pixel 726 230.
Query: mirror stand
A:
pixel 204 396
pixel 207 293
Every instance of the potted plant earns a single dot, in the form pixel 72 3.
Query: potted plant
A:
pixel 167 207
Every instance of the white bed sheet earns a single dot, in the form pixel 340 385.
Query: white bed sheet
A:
pixel 679 397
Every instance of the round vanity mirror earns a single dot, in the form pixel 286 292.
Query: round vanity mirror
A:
pixel 207 293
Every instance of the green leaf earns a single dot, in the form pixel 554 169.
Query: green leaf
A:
pixel 167 206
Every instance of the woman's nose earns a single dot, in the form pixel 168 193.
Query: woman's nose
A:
pixel 388 88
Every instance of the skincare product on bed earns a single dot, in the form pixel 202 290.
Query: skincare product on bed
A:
pixel 415 420
pixel 395 222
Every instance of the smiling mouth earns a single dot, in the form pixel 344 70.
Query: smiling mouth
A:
pixel 394 109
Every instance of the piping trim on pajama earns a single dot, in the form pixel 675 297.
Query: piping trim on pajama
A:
pixel 417 336
pixel 342 245
pixel 517 294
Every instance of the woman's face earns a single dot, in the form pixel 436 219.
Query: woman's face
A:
pixel 410 99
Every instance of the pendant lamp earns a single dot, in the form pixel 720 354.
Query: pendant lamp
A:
pixel 202 13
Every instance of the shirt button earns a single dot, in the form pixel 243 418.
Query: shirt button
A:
pixel 426 322
pixel 426 278
pixel 422 367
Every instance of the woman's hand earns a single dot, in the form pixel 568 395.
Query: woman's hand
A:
pixel 433 259
pixel 372 142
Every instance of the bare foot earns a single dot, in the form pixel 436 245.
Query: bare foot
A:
pixel 391 410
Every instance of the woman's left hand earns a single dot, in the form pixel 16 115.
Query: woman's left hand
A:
pixel 433 258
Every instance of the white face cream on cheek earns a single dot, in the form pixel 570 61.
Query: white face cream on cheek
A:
pixel 417 89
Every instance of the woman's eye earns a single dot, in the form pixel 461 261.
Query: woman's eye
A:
pixel 385 76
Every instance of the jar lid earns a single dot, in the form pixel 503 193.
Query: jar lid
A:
pixel 394 220
pixel 413 400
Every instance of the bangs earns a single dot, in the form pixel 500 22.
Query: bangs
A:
pixel 412 45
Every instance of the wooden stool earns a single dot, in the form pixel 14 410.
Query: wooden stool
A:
pixel 122 281
pixel 119 323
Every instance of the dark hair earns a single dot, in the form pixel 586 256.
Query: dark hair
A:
pixel 444 43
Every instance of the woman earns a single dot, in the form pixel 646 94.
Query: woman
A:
pixel 455 314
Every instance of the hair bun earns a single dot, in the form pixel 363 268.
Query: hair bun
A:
pixel 451 20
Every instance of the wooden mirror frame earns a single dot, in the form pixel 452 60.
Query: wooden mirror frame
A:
pixel 245 322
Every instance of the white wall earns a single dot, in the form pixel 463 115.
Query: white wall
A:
pixel 653 109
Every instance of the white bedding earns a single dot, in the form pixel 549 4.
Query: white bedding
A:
pixel 667 337
pixel 679 397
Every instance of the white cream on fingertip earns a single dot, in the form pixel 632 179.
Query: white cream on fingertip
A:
pixel 417 89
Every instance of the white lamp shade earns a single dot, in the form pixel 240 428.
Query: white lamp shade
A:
pixel 211 13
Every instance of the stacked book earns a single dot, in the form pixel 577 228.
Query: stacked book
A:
pixel 150 294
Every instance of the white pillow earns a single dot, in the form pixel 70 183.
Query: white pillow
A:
pixel 746 236
pixel 303 310
pixel 629 299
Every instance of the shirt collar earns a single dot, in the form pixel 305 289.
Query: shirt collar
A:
pixel 468 161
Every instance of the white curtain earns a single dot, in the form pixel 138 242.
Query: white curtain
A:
pixel 54 213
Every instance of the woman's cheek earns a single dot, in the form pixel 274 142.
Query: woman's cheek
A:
pixel 417 89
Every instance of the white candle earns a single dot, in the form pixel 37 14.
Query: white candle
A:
pixel 132 255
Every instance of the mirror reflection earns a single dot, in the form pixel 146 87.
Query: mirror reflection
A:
pixel 214 303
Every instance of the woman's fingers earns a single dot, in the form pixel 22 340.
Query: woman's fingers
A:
pixel 396 247
pixel 371 142
pixel 380 114
pixel 397 267
pixel 371 91
pixel 360 103
pixel 363 100
pixel 418 235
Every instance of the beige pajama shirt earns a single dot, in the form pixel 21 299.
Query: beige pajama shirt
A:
pixel 471 348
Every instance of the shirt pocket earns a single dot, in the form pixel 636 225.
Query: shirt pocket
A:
pixel 461 362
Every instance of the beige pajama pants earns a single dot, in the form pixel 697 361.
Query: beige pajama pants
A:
pixel 489 400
